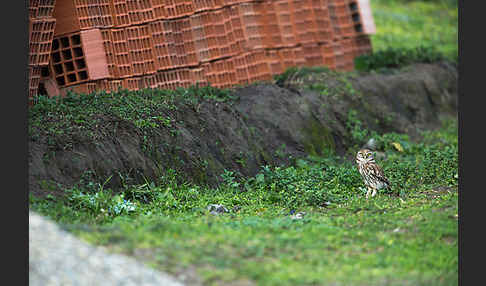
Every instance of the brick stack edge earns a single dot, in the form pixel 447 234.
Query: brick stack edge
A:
pixel 90 45
pixel 41 33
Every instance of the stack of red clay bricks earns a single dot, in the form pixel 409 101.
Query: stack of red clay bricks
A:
pixel 133 44
pixel 41 34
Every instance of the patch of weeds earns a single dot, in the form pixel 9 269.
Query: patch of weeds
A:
pixel 200 171
pixel 326 82
pixel 388 119
pixel 229 179
pixel 78 205
pixel 293 74
pixel 64 121
pixel 253 131
pixel 101 202
pixel 280 152
pixel 345 85
pixel 393 58
pixel 87 181
pixel 241 159
pixel 209 92
pixel 49 185
pixel 358 134
pixel 48 156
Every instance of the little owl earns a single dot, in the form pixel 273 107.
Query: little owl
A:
pixel 372 174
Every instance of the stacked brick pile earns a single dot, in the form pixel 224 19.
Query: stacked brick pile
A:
pixel 104 44
pixel 41 33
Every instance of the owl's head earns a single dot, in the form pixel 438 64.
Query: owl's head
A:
pixel 364 156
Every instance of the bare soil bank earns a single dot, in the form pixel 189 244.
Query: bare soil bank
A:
pixel 268 124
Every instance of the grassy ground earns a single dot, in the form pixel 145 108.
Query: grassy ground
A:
pixel 408 24
pixel 406 237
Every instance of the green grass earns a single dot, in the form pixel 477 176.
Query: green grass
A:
pixel 344 239
pixel 409 24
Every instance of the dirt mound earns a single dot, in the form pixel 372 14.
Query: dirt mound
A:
pixel 268 124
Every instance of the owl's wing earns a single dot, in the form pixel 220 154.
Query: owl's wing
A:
pixel 377 174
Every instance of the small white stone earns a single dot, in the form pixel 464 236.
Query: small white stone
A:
pixel 299 215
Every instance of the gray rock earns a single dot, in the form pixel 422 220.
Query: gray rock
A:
pixel 56 257
pixel 371 144
pixel 299 215
pixel 216 209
